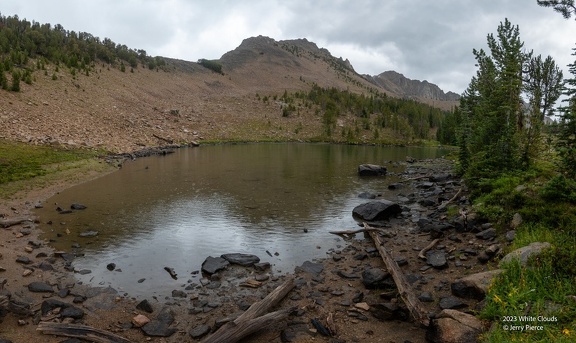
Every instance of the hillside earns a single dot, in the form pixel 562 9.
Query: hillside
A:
pixel 120 110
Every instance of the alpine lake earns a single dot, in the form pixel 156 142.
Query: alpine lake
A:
pixel 274 200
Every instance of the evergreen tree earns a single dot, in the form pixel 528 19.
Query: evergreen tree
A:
pixel 566 144
pixel 15 81
pixel 565 7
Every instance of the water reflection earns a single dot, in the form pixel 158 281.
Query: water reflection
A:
pixel 176 210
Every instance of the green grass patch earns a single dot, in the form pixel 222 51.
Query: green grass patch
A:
pixel 19 161
pixel 546 286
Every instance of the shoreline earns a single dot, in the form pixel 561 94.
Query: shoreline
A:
pixel 107 304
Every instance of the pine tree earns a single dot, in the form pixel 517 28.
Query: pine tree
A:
pixel 566 144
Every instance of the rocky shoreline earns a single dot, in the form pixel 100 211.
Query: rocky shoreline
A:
pixel 444 253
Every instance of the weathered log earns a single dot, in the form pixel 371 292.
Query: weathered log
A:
pixel 404 290
pixel 444 204
pixel 428 247
pixel 254 318
pixel 6 223
pixel 80 331
pixel 4 301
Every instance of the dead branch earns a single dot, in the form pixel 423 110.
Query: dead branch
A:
pixel 254 318
pixel 428 247
pixel 412 302
pixel 444 204
pixel 80 331
pixel 352 232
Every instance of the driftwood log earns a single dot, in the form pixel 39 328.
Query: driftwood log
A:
pixel 254 318
pixel 428 247
pixel 404 289
pixel 80 331
pixel 6 223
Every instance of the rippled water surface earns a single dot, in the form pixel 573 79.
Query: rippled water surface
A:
pixel 178 209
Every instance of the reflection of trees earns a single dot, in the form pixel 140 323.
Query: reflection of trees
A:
pixel 258 184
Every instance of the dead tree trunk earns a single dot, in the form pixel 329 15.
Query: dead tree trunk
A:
pixel 80 331
pixel 406 293
pixel 254 318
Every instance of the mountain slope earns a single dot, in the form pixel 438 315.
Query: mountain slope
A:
pixel 182 101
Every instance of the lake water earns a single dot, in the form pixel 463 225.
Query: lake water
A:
pixel 176 210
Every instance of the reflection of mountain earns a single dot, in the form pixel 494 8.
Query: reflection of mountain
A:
pixel 260 184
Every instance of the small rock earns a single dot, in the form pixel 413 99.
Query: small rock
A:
pixel 40 287
pixel 213 264
pixel 311 268
pixel 140 320
pixel 451 303
pixel 200 331
pixel 88 234
pixel 363 306
pixel 145 306
pixel 78 207
pixel 23 260
pixel 486 234
pixel 245 260
pixel 516 220
pixel 437 259
pixel 262 266
pixel 426 297
pixel 111 266
pixel 510 235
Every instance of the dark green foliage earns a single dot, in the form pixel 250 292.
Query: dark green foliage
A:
pixel 566 143
pixel 15 81
pixel 498 133
pixel 212 65
pixel 21 40
pixel 564 7
pixel 407 118
pixel 3 79
pixel 559 189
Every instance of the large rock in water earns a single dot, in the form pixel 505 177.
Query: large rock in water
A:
pixel 376 210
pixel 213 264
pixel 371 170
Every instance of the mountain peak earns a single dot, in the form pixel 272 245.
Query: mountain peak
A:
pixel 397 83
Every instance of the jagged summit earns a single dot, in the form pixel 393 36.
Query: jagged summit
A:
pixel 397 83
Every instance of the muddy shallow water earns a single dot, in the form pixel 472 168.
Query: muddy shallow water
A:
pixel 277 201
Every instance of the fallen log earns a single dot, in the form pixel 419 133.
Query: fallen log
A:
pixel 80 331
pixel 254 318
pixel 404 290
pixel 6 223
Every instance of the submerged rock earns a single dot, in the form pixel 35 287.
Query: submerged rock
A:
pixel 371 170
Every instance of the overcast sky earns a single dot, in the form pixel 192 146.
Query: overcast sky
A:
pixel 422 39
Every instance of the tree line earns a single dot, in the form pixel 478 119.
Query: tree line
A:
pixel 408 119
pixel 22 41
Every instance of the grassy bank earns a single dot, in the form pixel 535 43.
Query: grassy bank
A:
pixel 526 296
pixel 25 167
